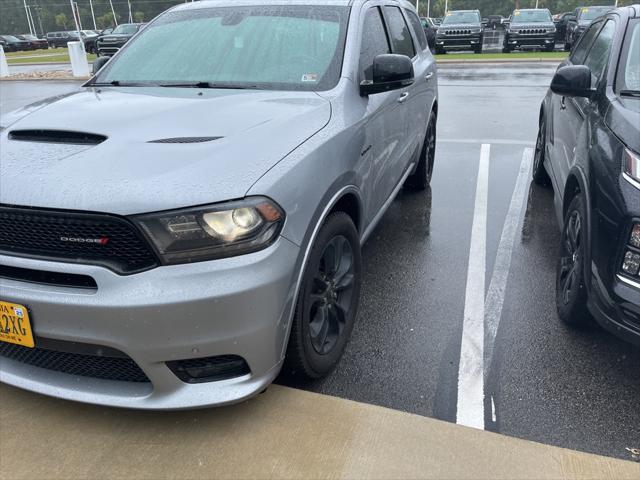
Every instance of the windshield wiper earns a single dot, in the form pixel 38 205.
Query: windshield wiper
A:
pixel 630 93
pixel 118 83
pixel 230 86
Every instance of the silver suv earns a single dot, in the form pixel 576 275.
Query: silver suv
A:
pixel 191 219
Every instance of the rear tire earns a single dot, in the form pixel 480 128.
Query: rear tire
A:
pixel 540 175
pixel 440 51
pixel 421 178
pixel 550 48
pixel 506 50
pixel 327 302
pixel 571 292
pixel 478 49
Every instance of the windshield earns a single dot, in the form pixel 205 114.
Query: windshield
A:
pixel 531 16
pixel 629 69
pixel 125 29
pixel 592 13
pixel 10 38
pixel 461 17
pixel 273 47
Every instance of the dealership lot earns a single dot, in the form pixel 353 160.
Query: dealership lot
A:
pixel 543 382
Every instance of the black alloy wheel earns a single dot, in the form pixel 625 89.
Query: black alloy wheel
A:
pixel 327 301
pixel 540 175
pixel 421 178
pixel 571 293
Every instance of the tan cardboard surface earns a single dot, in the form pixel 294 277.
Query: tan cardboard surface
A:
pixel 283 433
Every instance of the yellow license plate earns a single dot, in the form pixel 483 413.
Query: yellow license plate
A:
pixel 15 326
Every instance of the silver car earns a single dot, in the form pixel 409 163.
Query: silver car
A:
pixel 190 220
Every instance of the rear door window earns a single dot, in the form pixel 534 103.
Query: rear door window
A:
pixel 399 32
pixel 418 29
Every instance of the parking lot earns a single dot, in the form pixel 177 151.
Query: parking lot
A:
pixel 543 382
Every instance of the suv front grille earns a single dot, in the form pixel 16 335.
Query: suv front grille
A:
pixel 458 32
pixel 532 31
pixel 120 369
pixel 75 237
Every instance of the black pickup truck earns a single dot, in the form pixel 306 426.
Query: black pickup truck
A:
pixel 108 45
pixel 530 29
pixel 460 30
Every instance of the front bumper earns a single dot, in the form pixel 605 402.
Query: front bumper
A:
pixel 527 42
pixel 237 306
pixel 618 309
pixel 466 42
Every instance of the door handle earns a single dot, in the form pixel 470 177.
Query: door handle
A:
pixel 563 105
pixel 429 76
pixel 403 97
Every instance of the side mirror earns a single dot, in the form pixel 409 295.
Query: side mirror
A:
pixel 390 72
pixel 572 81
pixel 98 63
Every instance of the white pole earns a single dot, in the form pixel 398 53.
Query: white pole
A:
pixel 26 11
pixel 115 20
pixel 428 8
pixel 33 24
pixel 77 12
pixel 446 7
pixel 93 15
pixel 536 4
pixel 130 17
pixel 418 7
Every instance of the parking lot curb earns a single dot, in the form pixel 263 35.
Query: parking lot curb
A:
pixel 284 433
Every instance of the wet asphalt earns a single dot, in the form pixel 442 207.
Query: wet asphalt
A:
pixel 575 389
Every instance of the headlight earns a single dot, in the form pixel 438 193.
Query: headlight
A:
pixel 551 30
pixel 631 164
pixel 476 30
pixel 215 231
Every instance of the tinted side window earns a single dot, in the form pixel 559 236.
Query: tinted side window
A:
pixel 580 52
pixel 598 56
pixel 374 42
pixel 417 28
pixel 399 32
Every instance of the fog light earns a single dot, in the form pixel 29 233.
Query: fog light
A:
pixel 635 236
pixel 631 264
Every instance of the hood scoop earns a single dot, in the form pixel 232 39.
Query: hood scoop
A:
pixel 57 136
pixel 186 140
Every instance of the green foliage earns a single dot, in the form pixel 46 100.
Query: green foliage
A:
pixel 138 17
pixel 61 20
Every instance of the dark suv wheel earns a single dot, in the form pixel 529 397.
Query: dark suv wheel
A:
pixel 540 175
pixel 571 292
pixel 327 301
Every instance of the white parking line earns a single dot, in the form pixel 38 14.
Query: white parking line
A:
pixel 498 283
pixel 493 141
pixel 470 411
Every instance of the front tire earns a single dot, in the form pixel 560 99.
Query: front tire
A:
pixel 571 292
pixel 328 300
pixel 421 178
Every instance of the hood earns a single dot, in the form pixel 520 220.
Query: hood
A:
pixel 519 26
pixel 458 26
pixel 623 118
pixel 165 148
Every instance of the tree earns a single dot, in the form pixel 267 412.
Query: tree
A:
pixel 138 17
pixel 61 20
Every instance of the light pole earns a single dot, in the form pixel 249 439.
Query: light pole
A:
pixel 115 19
pixel 93 15
pixel 446 7
pixel 33 24
pixel 75 19
pixel 77 12
pixel 130 17
pixel 428 8
pixel 26 11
